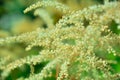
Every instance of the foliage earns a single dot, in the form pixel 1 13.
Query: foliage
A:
pixel 69 49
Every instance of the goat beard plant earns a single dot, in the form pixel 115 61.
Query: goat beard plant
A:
pixel 71 45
